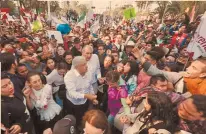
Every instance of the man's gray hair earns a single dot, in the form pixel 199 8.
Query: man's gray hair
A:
pixel 87 47
pixel 78 60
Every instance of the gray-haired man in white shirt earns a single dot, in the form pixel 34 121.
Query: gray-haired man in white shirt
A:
pixel 79 89
pixel 93 65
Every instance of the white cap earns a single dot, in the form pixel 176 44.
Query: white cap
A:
pixel 130 43
pixel 150 25
pixel 78 60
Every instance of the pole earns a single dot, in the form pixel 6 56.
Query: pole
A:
pixel 110 7
pixel 145 8
pixel 164 12
pixel 19 7
pixel 49 12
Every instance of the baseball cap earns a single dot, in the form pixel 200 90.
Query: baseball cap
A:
pixel 65 125
pixel 130 44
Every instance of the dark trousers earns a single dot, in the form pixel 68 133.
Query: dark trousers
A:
pixel 41 125
pixel 103 98
pixel 76 110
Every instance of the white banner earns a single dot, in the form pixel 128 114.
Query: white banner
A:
pixel 57 36
pixel 197 46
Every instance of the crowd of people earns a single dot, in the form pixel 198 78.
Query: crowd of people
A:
pixel 136 77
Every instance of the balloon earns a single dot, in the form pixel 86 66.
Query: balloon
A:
pixel 63 28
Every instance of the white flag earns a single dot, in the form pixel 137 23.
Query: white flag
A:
pixel 10 18
pixel 81 23
pixel 64 20
pixel 22 20
pixel 90 16
pixel 197 46
pixel 95 27
pixel 56 20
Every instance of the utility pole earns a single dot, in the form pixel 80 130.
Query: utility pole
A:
pixel 110 7
pixel 49 11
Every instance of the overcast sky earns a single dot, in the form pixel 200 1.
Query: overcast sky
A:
pixel 102 5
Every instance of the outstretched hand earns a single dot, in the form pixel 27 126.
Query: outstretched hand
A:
pixel 138 53
pixel 125 119
pixel 95 102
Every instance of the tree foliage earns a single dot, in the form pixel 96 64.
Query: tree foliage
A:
pixel 177 7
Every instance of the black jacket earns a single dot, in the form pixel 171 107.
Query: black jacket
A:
pixel 13 112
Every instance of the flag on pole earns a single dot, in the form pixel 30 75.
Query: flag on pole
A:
pixel 4 12
pixel 82 17
pixel 56 21
pixel 197 46
pixel 22 20
pixel 64 19
pixel 129 13
pixel 37 25
pixel 10 18
pixel 192 14
pixel 82 23
pixel 95 27
pixel 90 16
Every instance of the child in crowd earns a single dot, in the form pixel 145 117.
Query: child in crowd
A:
pixel 117 95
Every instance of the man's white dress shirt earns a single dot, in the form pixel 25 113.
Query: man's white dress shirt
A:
pixel 94 68
pixel 78 85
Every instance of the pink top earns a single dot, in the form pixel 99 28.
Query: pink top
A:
pixel 114 98
pixel 142 80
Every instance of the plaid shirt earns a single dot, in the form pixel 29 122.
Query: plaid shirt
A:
pixel 194 127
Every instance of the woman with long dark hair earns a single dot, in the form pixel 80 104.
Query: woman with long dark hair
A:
pixel 158 115
pixel 68 59
pixel 50 66
pixel 15 116
pixel 59 57
pixel 130 75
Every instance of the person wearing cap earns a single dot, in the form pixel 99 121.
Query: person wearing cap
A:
pixel 128 49
pixel 76 49
pixel 65 126
pixel 78 83
pixel 93 65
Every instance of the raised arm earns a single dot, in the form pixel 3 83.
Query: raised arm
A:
pixel 152 70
